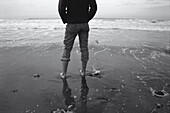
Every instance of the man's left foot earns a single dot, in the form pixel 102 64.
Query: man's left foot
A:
pixel 82 74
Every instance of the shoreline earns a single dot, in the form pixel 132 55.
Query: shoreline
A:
pixel 123 81
pixel 131 63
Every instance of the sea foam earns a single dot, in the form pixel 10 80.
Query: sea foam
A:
pixel 131 24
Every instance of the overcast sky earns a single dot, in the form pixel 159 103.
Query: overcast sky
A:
pixel 145 9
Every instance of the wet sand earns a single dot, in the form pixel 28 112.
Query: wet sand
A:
pixel 131 63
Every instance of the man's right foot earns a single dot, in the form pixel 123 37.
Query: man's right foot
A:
pixel 62 76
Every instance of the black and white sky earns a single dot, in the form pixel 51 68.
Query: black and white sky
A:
pixel 141 9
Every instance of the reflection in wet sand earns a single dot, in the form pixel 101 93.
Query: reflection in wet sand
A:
pixel 69 100
pixel 84 93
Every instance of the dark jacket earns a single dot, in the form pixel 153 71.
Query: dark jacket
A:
pixel 77 11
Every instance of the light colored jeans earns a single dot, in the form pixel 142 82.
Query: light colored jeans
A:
pixel 72 30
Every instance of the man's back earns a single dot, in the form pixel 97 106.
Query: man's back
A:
pixel 77 11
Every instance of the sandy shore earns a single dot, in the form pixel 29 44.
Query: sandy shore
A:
pixel 130 67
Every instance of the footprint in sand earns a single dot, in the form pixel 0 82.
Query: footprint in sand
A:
pixel 159 93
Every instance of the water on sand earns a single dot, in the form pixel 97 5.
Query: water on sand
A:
pixel 133 66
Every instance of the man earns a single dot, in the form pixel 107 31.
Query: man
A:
pixel 77 14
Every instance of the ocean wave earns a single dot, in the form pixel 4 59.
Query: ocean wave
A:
pixel 105 24
pixel 131 24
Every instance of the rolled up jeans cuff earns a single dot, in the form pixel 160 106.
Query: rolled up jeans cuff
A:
pixel 65 59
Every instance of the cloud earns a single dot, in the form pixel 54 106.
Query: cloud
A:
pixel 158 2
pixel 28 8
pixel 109 8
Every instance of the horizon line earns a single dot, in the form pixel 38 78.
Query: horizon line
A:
pixel 93 18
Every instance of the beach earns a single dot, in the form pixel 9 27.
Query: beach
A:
pixel 133 62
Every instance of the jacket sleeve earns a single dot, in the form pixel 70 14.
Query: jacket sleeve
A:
pixel 62 10
pixel 92 8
